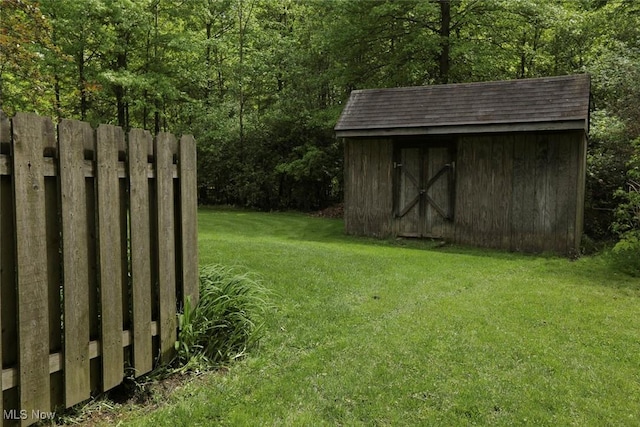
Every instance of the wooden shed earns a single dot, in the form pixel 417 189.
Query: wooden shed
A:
pixel 492 164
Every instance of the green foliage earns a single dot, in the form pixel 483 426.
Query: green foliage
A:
pixel 286 161
pixel 25 42
pixel 628 211
pixel 226 323
pixel 626 253
pixel 608 154
pixel 261 83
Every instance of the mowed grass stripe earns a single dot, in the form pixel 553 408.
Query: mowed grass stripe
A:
pixel 374 332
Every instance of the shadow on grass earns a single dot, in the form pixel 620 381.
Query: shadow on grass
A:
pixel 598 270
pixel 297 226
pixel 593 270
pixel 303 227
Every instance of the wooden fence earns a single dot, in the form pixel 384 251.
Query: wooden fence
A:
pixel 98 249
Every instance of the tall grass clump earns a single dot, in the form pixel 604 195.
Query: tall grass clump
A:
pixel 227 321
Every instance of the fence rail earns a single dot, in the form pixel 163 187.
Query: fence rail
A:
pixel 98 249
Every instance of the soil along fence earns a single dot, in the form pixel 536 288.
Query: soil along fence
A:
pixel 98 249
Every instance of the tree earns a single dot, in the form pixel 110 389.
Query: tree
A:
pixel 77 37
pixel 25 39
pixel 261 82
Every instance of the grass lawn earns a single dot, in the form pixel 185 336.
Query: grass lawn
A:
pixel 368 332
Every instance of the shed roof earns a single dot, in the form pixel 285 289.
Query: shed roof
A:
pixel 550 103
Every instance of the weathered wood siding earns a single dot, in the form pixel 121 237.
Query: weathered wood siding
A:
pixel 368 178
pixel 521 192
pixel 517 191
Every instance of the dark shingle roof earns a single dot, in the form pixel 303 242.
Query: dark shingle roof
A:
pixel 527 104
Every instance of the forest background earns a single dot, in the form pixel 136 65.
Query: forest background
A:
pixel 261 83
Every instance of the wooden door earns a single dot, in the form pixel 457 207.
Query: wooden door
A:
pixel 409 171
pixel 424 191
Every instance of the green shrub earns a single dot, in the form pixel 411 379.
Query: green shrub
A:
pixel 626 253
pixel 608 154
pixel 227 321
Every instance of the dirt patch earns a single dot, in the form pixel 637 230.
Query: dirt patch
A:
pixel 335 211
pixel 140 395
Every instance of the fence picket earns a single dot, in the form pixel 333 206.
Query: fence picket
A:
pixel 54 267
pixel 189 218
pixel 139 142
pixel 31 135
pixel 164 150
pixel 109 253
pixel 72 137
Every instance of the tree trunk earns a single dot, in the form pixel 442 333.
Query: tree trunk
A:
pixel 56 89
pixel 523 58
pixel 445 32
pixel 208 64
pixel 240 76
pixel 81 86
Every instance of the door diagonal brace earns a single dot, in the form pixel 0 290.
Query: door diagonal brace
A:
pixel 430 183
